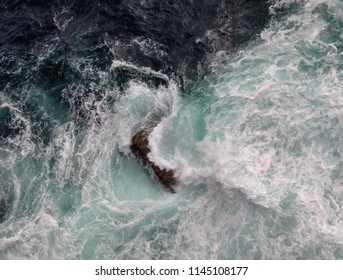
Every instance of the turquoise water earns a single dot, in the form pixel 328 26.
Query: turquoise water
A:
pixel 256 146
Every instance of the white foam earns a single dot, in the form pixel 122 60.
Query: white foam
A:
pixel 145 70
pixel 62 19
pixel 65 143
pixel 269 115
pixel 139 107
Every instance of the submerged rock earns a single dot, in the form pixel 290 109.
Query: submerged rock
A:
pixel 140 147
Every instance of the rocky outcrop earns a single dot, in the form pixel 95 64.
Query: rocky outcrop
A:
pixel 140 147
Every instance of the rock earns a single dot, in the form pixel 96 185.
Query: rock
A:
pixel 140 147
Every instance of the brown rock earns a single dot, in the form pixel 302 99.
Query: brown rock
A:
pixel 140 147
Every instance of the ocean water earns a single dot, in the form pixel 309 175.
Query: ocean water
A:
pixel 255 143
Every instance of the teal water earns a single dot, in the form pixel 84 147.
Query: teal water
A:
pixel 256 146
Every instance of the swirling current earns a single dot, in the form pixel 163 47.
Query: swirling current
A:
pixel 248 96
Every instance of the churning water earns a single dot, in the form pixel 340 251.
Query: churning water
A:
pixel 256 145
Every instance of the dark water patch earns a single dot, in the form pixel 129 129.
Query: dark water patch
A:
pixel 7 195
pixel 93 50
pixel 56 73
pixel 10 126
pixel 284 9
pixel 55 77
pixel 8 65
pixel 5 122
pixel 5 78
pixel 3 209
pixel 124 75
pixel 25 22
pixel 188 29
pixel 188 32
pixel 14 69
pixel 42 126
